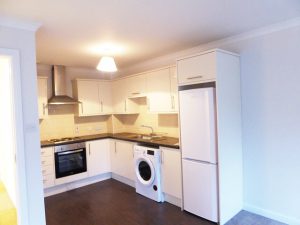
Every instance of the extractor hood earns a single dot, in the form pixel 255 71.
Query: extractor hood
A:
pixel 59 88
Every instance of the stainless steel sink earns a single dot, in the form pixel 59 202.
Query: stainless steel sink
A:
pixel 148 137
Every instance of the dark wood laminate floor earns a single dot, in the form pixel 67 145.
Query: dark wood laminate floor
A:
pixel 113 203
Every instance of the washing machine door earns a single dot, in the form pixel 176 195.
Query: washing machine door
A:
pixel 144 171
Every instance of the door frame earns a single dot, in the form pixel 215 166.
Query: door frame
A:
pixel 21 182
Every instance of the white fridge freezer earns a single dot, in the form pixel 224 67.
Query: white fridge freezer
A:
pixel 199 152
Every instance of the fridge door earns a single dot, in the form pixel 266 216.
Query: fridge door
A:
pixel 198 125
pixel 200 189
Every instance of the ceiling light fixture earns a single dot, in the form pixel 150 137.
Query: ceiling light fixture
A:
pixel 107 64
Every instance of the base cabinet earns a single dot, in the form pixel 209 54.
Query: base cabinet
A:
pixel 48 171
pixel 98 157
pixel 171 172
pixel 122 162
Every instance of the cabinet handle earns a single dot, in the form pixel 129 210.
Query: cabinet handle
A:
pixel 135 93
pixel 81 108
pixel 125 106
pixel 172 101
pixel 44 109
pixel 89 149
pixel 101 106
pixel 115 147
pixel 162 157
pixel 191 78
pixel 148 104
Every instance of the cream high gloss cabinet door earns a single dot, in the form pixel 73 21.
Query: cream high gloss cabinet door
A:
pixel 197 69
pixel 122 159
pixel 171 172
pixel 98 157
pixel 42 97
pixel 88 95
pixel 159 91
pixel 121 103
pixel 174 89
pixel 105 97
pixel 136 86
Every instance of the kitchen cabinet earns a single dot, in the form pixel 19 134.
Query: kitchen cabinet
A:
pixel 174 89
pixel 48 171
pixel 121 103
pixel 219 89
pixel 94 97
pixel 98 157
pixel 122 159
pixel 161 91
pixel 171 172
pixel 136 86
pixel 42 97
pixel 197 69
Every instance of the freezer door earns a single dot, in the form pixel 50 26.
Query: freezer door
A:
pixel 198 125
pixel 200 189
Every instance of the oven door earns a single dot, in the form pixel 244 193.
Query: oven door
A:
pixel 70 162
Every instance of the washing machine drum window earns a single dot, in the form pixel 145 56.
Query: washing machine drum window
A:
pixel 145 171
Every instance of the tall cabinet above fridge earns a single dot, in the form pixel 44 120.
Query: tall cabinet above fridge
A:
pixel 210 130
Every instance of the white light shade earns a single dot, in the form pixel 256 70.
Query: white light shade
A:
pixel 107 64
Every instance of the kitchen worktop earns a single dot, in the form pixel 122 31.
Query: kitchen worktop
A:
pixel 169 142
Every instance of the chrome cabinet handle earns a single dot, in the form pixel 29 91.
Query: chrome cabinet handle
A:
pixel 101 106
pixel 44 106
pixel 89 149
pixel 135 93
pixel 162 157
pixel 115 147
pixel 191 78
pixel 125 106
pixel 172 101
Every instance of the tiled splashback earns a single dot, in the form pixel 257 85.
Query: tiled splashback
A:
pixel 167 124
pixel 62 122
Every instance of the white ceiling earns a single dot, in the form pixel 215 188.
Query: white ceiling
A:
pixel 139 29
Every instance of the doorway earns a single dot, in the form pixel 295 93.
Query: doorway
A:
pixel 13 192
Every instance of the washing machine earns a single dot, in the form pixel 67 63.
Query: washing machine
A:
pixel 148 172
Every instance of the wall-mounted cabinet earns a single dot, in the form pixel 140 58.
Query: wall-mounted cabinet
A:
pixel 42 97
pixel 162 91
pixel 94 97
pixel 197 69
pixel 121 103
pixel 136 86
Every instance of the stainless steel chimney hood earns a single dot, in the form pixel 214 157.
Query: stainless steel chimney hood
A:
pixel 59 88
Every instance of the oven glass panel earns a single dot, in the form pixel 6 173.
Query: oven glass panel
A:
pixel 70 162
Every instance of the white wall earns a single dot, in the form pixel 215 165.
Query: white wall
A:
pixel 270 86
pixel 24 41
pixel 7 150
pixel 270 68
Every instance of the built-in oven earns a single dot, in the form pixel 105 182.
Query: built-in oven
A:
pixel 70 159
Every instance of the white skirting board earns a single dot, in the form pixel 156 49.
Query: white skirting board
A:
pixel 173 200
pixel 76 184
pixel 272 215
pixel 123 180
